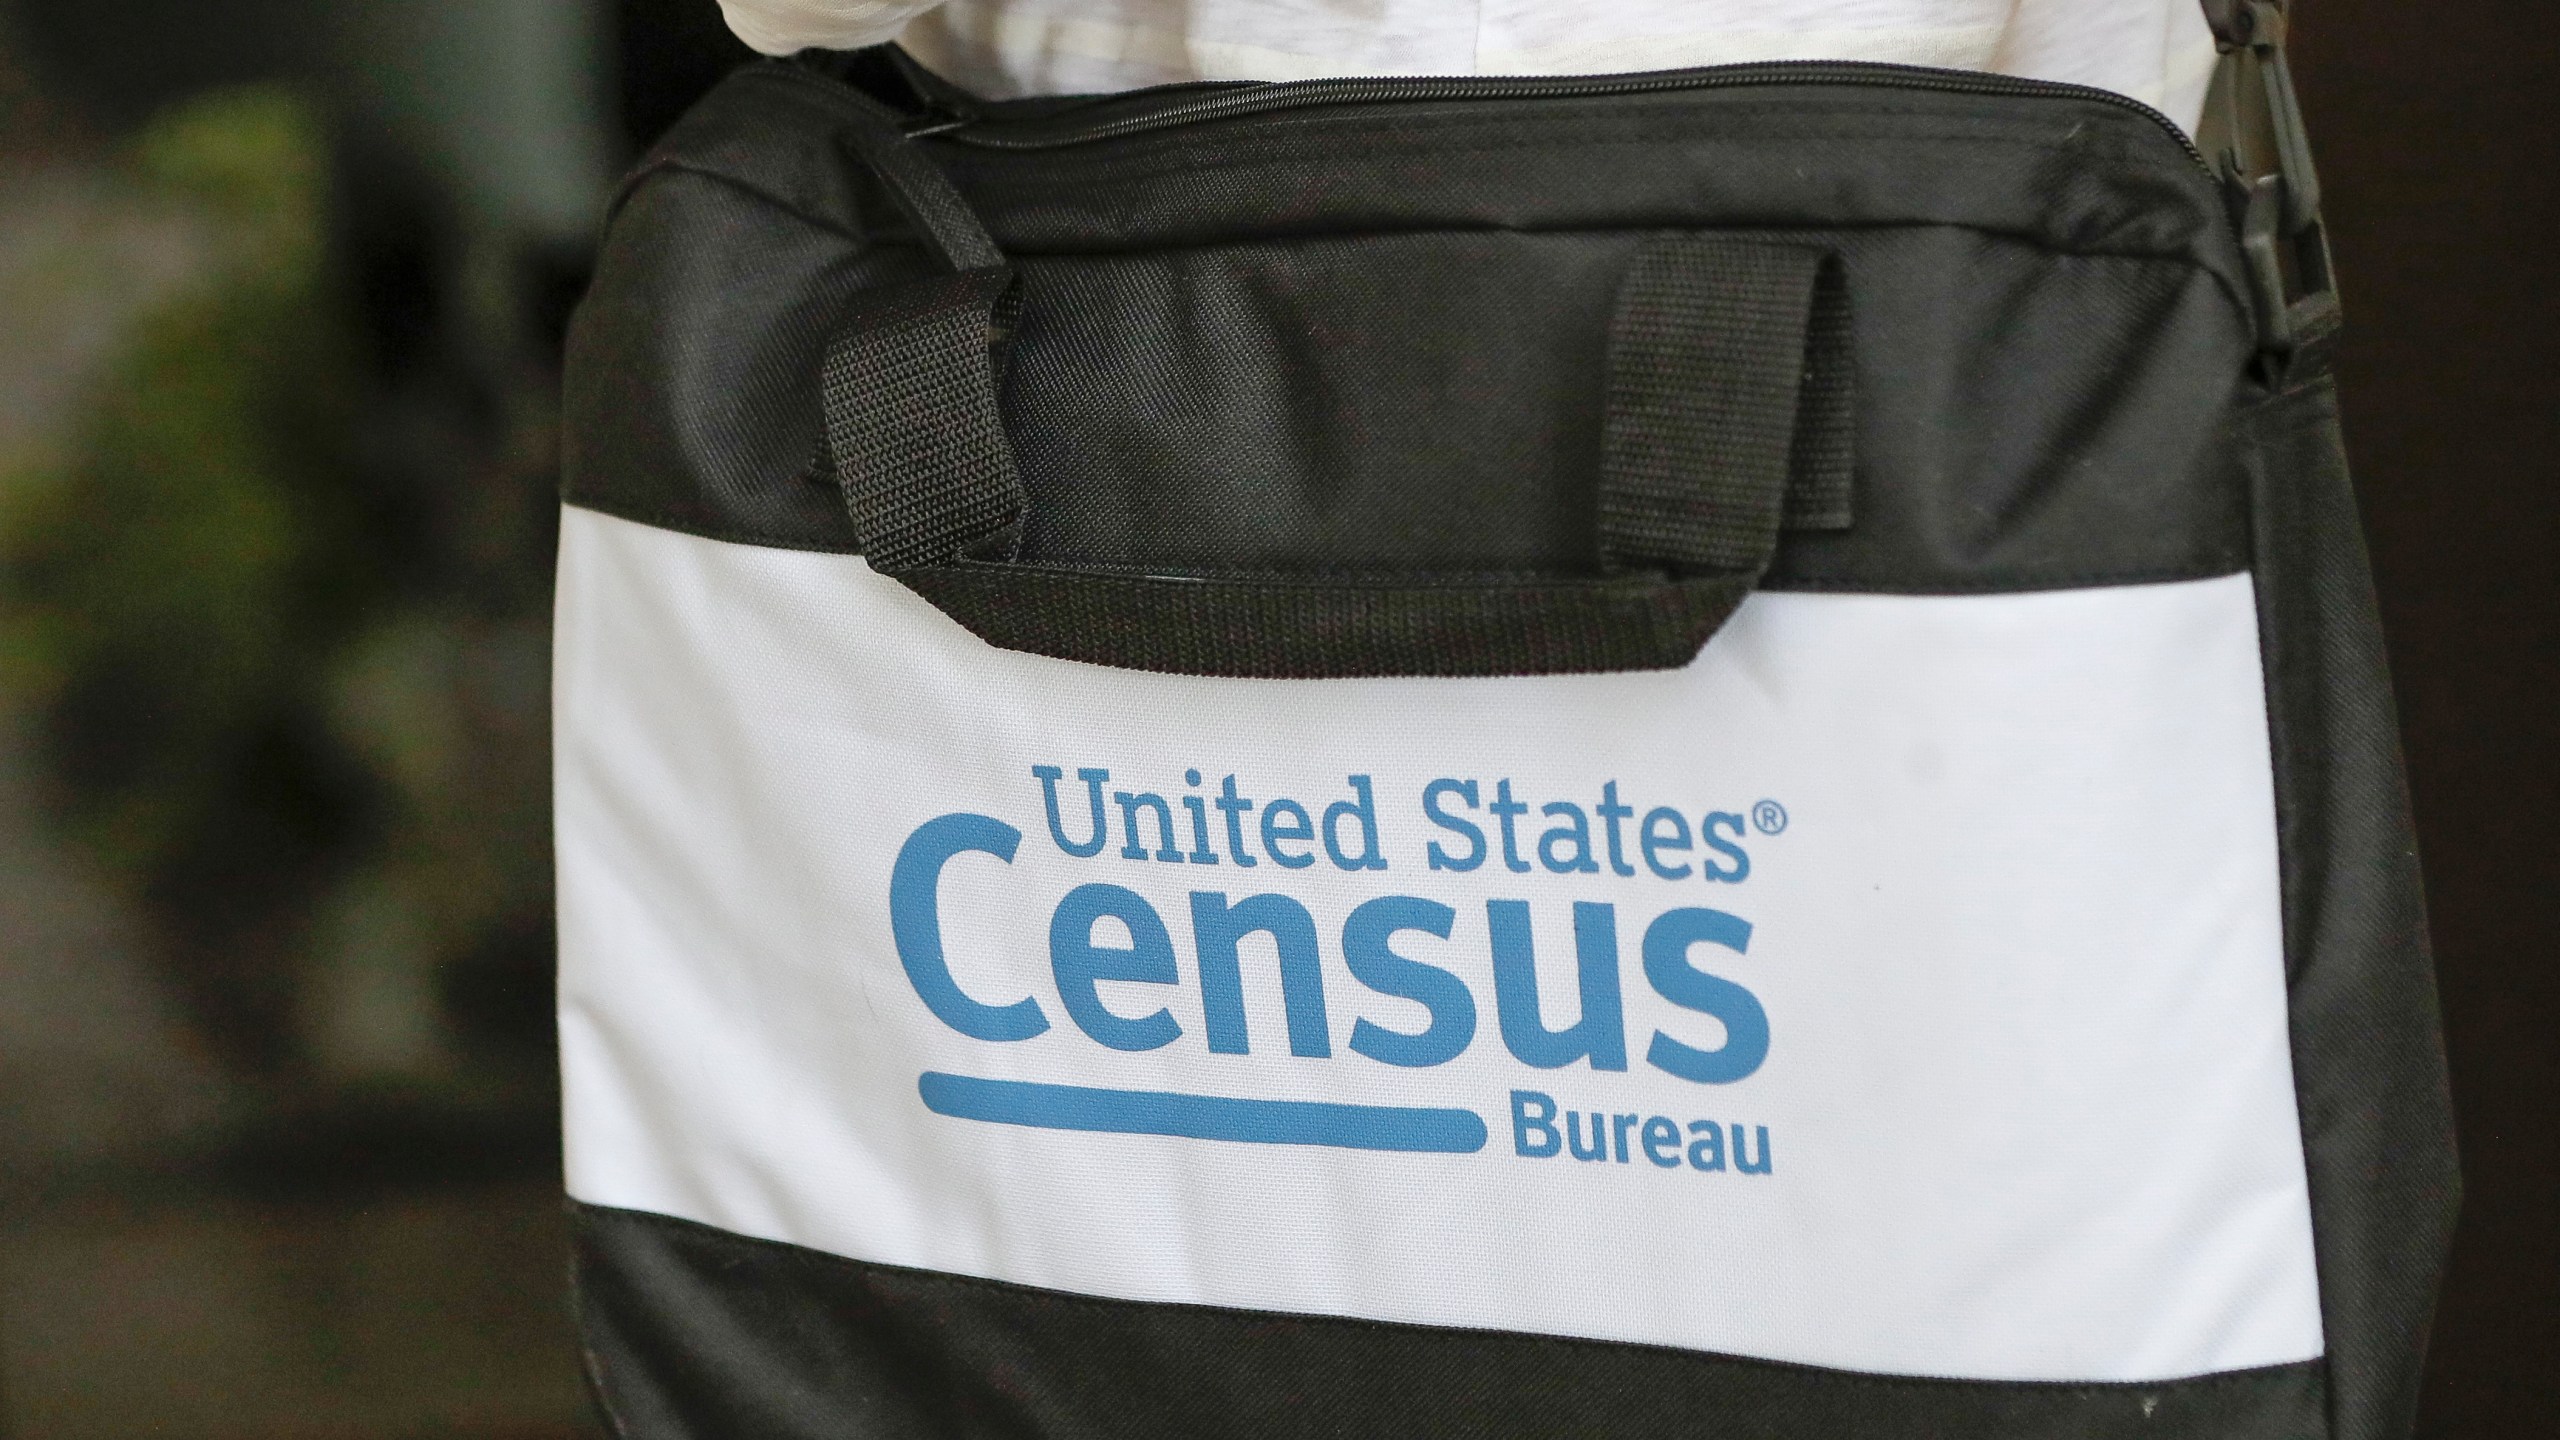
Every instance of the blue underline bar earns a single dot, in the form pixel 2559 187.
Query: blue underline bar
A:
pixel 1203 1117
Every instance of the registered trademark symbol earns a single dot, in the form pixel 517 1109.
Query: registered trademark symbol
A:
pixel 1769 817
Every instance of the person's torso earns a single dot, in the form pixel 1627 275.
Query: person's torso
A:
pixel 2156 51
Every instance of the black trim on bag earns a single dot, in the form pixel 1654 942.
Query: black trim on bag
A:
pixel 693 1331
pixel 740 247
pixel 2368 1057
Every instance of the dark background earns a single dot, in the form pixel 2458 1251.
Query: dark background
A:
pixel 313 1254
pixel 2438 132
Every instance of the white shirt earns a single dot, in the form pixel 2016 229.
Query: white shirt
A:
pixel 2157 51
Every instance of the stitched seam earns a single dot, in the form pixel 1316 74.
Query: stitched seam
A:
pixel 2075 580
pixel 765 540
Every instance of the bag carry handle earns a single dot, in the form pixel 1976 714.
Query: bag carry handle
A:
pixel 1729 417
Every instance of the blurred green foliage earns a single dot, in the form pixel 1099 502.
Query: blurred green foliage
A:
pixel 291 693
pixel 173 573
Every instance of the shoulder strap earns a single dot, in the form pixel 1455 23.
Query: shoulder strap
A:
pixel 2253 134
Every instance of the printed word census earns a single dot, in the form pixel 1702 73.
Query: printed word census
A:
pixel 1136 946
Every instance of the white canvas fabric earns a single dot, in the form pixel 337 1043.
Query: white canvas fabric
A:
pixel 1953 1035
pixel 2157 51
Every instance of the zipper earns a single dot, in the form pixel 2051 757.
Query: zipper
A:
pixel 2272 216
pixel 1173 106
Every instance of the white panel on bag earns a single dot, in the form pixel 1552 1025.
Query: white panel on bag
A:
pixel 1963 1053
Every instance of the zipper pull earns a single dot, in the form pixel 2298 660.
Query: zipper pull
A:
pixel 2254 135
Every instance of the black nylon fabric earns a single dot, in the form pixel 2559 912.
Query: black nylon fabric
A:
pixel 942 220
pixel 695 1333
pixel 2377 1121
pixel 2061 175
pixel 2045 317
pixel 708 422
pixel 1710 340
pixel 1179 454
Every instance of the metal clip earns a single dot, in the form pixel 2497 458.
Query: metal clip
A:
pixel 2254 135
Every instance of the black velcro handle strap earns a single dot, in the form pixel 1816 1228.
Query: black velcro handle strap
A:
pixel 1728 405
pixel 1729 416
pixel 910 399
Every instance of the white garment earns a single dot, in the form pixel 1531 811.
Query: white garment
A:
pixel 2157 51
